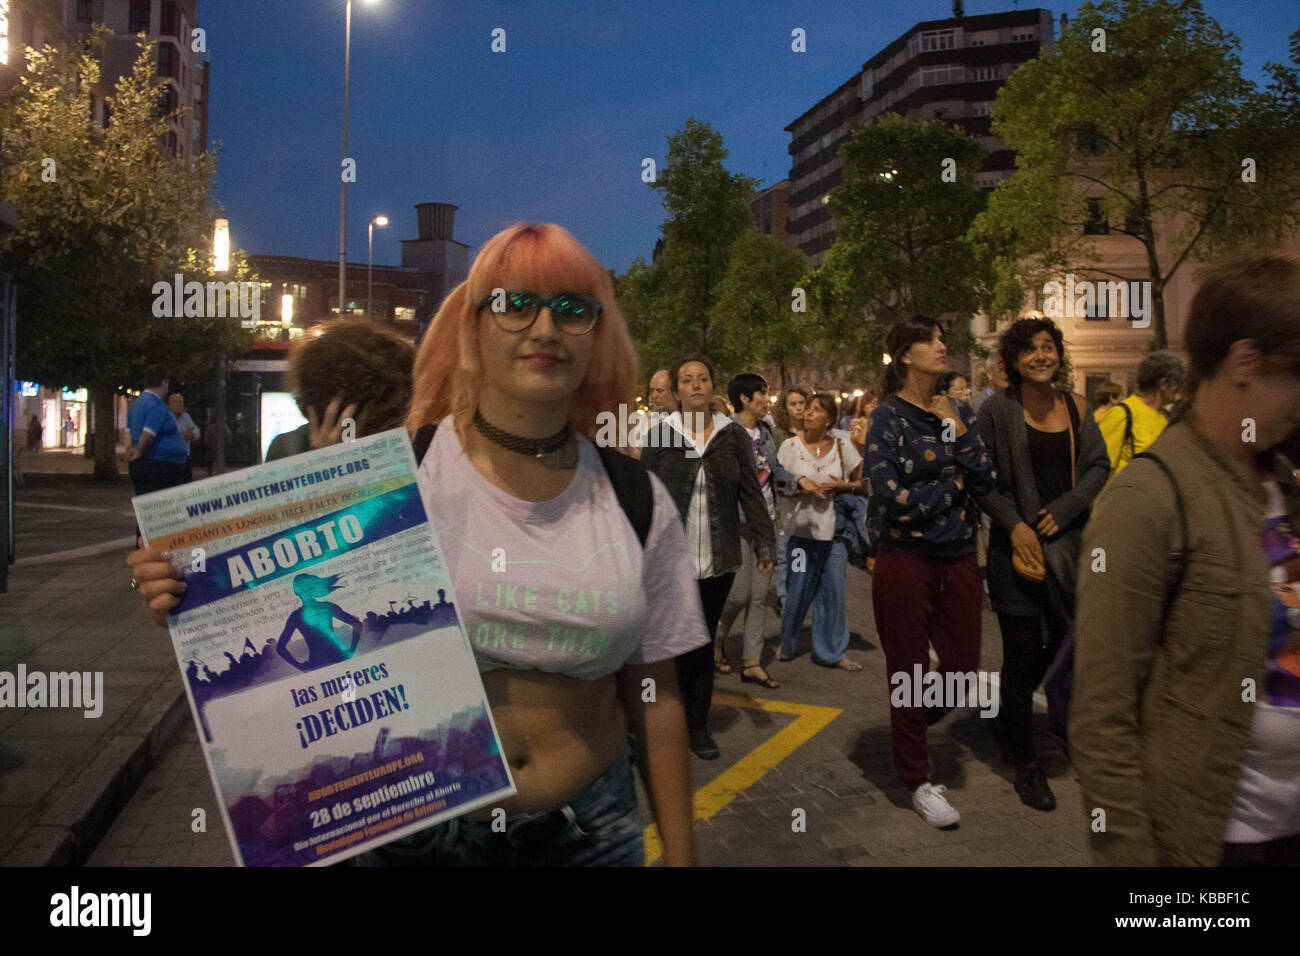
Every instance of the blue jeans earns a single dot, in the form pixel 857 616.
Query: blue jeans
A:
pixel 830 621
pixel 823 566
pixel 781 544
pixel 599 827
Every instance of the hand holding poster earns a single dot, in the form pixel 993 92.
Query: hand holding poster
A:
pixel 327 670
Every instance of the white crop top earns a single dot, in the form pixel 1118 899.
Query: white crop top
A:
pixel 560 586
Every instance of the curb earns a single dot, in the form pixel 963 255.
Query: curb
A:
pixel 69 829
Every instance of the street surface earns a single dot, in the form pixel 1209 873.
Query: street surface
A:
pixel 820 743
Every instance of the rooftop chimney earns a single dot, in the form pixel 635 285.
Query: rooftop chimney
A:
pixel 435 219
pixel 958 9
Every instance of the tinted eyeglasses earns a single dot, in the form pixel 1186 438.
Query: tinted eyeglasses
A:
pixel 515 311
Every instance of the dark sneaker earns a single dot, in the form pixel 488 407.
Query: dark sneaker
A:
pixel 703 746
pixel 1031 785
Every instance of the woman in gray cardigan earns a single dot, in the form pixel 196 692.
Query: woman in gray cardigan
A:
pixel 1051 463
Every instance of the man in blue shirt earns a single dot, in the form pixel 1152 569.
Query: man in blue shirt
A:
pixel 158 452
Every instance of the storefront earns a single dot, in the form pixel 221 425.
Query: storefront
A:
pixel 62 413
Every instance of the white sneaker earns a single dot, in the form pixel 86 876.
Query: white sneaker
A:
pixel 928 801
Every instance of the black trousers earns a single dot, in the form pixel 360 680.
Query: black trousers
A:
pixel 1029 645
pixel 148 475
pixel 695 668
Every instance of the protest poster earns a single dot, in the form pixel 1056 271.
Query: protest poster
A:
pixel 329 676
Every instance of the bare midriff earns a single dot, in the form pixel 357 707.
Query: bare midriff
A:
pixel 558 734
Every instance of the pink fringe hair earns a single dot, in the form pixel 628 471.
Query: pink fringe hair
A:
pixel 543 258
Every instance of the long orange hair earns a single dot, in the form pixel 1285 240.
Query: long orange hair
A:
pixel 448 372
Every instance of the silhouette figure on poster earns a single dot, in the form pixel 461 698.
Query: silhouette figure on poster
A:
pixel 315 621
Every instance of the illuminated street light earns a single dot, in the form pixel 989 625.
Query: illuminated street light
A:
pixel 221 264
pixel 221 245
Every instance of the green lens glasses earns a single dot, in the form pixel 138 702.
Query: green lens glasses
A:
pixel 515 311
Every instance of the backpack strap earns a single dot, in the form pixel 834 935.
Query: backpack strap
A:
pixel 629 477
pixel 1178 559
pixel 420 444
pixel 631 483
pixel 1128 432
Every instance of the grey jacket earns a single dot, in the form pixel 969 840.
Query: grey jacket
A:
pixel 1015 496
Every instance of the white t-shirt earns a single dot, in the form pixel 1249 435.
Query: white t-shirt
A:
pixel 806 515
pixel 698 539
pixel 578 596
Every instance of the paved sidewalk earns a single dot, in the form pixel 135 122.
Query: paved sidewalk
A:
pixel 842 779
pixel 64 777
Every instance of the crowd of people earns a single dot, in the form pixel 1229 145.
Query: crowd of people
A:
pixel 1153 564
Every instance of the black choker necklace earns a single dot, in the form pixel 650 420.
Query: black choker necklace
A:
pixel 537 447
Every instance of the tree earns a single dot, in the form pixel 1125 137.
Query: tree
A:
pixel 902 209
pixel 756 305
pixel 1139 114
pixel 708 210
pixel 105 214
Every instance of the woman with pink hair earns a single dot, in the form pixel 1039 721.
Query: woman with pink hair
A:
pixel 519 362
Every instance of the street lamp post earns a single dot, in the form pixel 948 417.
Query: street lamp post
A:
pixel 343 183
pixel 380 221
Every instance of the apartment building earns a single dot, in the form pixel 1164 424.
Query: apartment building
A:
pixel 183 70
pixel 947 70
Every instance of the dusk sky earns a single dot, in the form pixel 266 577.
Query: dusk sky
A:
pixel 552 130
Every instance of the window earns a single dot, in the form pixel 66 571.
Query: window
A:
pixel 167 99
pixel 138 17
pixel 942 75
pixel 1133 225
pixel 932 40
pixel 1088 142
pixel 168 19
pixel 166 59
pixel 1096 224
pixel 85 11
pixel 826 140
pixel 984 73
pixel 1022 36
pixel 404 313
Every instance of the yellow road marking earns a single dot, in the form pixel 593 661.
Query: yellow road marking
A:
pixel 744 773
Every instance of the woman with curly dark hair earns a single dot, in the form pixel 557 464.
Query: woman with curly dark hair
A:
pixel 1051 463
pixel 346 369
pixel 788 412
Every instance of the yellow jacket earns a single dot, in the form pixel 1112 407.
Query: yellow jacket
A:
pixel 1148 423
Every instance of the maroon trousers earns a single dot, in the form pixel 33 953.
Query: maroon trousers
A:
pixel 921 601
